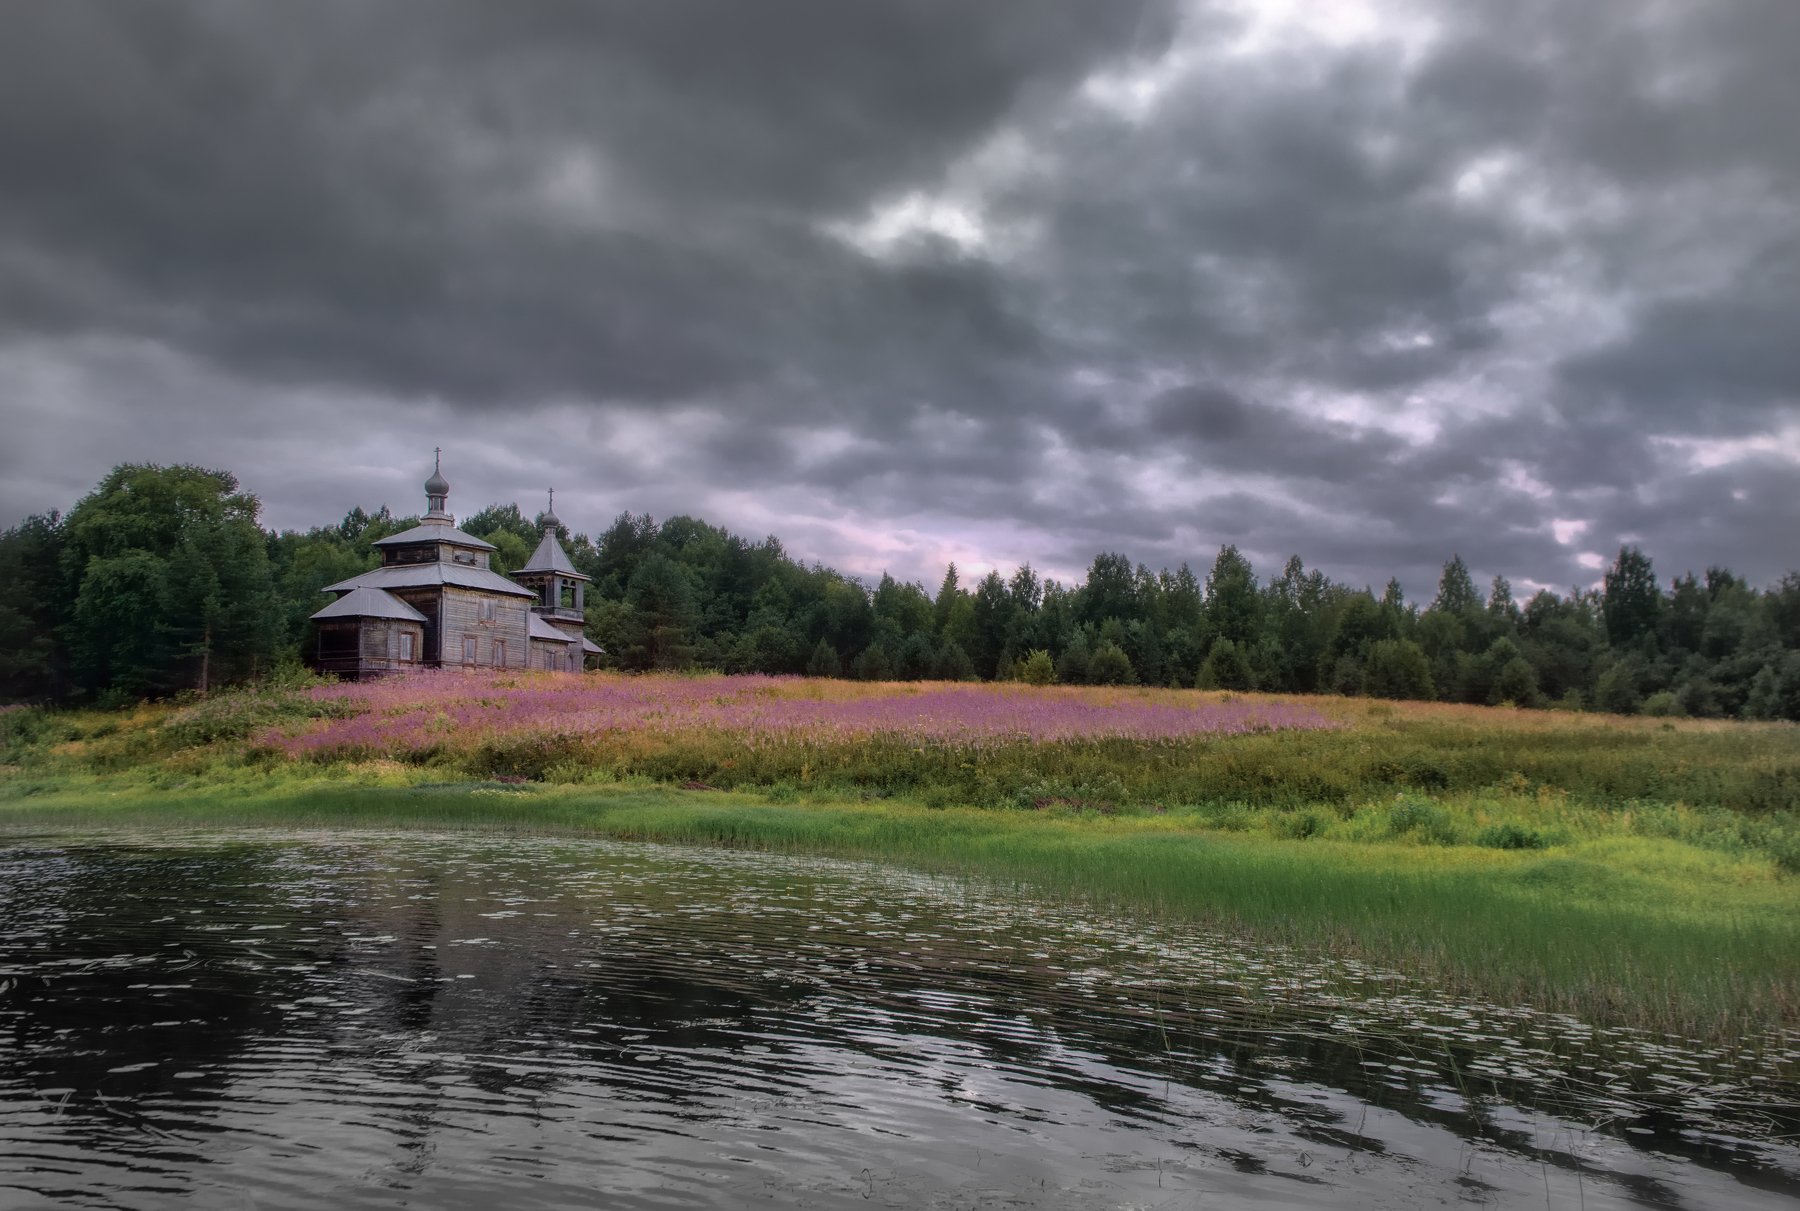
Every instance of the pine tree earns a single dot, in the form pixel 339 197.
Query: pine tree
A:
pixel 1456 589
pixel 824 661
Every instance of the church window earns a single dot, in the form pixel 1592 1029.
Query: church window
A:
pixel 488 610
pixel 468 649
pixel 406 646
pixel 500 652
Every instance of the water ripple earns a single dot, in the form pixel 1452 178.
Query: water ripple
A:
pixel 456 1021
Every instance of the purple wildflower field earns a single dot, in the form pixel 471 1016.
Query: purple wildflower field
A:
pixel 432 710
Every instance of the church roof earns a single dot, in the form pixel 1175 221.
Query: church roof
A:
pixel 539 629
pixel 367 602
pixel 435 533
pixel 550 557
pixel 427 575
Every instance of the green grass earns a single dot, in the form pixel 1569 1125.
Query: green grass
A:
pixel 1636 872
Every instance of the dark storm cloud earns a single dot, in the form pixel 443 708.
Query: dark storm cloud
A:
pixel 1216 428
pixel 1709 364
pixel 1455 284
pixel 351 192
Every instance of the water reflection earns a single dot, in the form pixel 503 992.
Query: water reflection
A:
pixel 474 1022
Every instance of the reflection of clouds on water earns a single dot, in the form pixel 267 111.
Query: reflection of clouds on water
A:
pixel 379 1019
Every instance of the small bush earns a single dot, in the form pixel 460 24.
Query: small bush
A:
pixel 1109 665
pixel 1226 668
pixel 529 755
pixel 1661 705
pixel 1784 847
pixel 1297 826
pixel 1510 836
pixel 1422 819
pixel 1037 668
pixel 1426 774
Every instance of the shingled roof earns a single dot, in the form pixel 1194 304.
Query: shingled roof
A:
pixel 550 558
pixel 368 602
pixel 539 629
pixel 435 532
pixel 424 575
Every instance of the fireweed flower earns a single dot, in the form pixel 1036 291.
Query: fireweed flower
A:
pixel 454 710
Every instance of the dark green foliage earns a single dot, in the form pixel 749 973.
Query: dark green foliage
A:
pixel 1510 836
pixel 1072 665
pixel 824 661
pixel 1456 590
pixel 1618 688
pixel 1423 819
pixel 660 630
pixel 1297 825
pixel 1397 668
pixel 874 664
pixel 951 663
pixel 1233 609
pixel 1109 665
pixel 1037 668
pixel 160 581
pixel 1515 682
pixel 170 583
pixel 529 755
pixel 1631 603
pixel 1226 668
pixel 31 659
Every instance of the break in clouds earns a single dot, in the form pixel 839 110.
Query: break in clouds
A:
pixel 922 280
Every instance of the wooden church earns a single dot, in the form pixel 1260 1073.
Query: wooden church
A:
pixel 435 603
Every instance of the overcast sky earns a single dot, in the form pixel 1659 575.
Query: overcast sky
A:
pixel 917 280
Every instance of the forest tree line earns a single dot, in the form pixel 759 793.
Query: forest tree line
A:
pixel 162 580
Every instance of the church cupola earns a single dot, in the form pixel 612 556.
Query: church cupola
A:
pixel 437 490
pixel 560 587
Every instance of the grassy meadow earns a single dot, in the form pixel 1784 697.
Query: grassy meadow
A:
pixel 1632 871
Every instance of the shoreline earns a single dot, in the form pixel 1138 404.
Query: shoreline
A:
pixel 1638 932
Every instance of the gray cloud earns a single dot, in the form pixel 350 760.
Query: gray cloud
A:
pixel 917 279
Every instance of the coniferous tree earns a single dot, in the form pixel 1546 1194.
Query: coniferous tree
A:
pixel 1631 602
pixel 824 661
pixel 1072 665
pixel 659 626
pixel 1456 590
pixel 1232 608
pixel 32 660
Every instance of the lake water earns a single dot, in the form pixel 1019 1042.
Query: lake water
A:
pixel 451 1021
